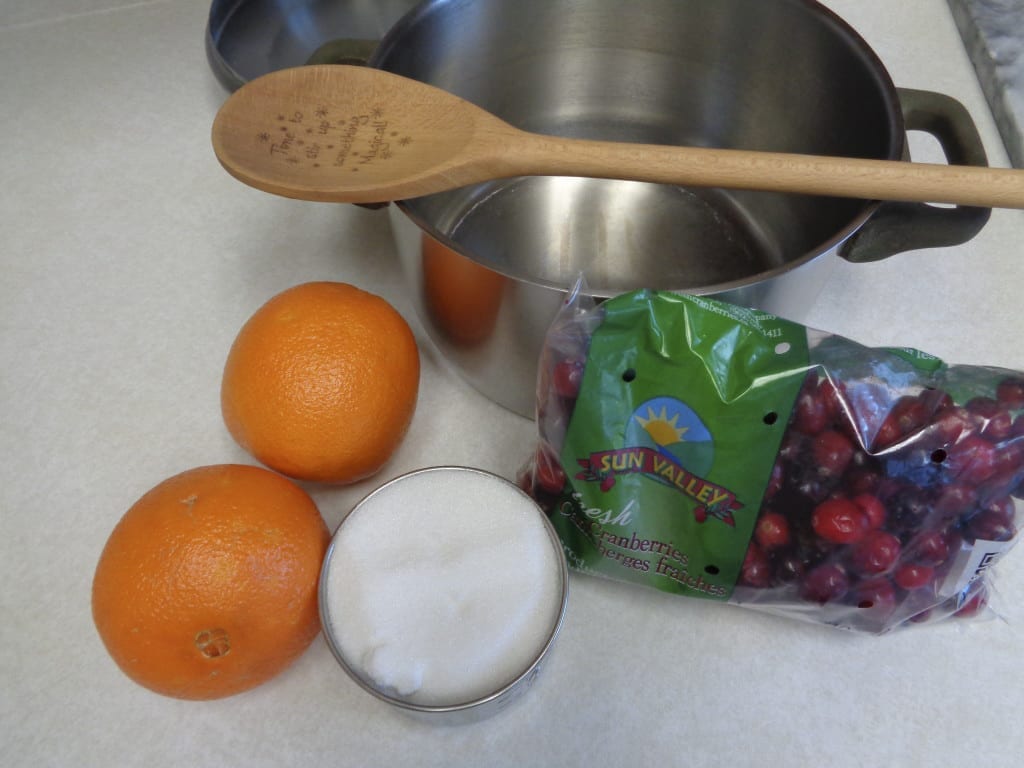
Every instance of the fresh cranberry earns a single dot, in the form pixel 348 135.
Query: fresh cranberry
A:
pixel 811 412
pixel 772 531
pixel 974 604
pixel 775 480
pixel 567 378
pixel 756 570
pixel 876 553
pixel 1003 483
pixel 972 460
pixel 839 521
pixel 872 507
pixel 1009 456
pixel 913 576
pixel 924 616
pixel 789 568
pixel 832 452
pixel 996 420
pixel 861 480
pixel 950 424
pixel 834 396
pixel 792 448
pixel 935 400
pixel 910 414
pixel 813 549
pixel 908 509
pixel 888 434
pixel 907 417
pixel 955 499
pixel 994 523
pixel 550 475
pixel 931 548
pixel 889 487
pixel 825 583
pixel 812 488
pixel 1010 392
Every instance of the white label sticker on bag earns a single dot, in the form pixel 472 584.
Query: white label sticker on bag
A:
pixel 972 562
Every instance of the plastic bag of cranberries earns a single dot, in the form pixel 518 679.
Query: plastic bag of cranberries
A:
pixel 713 451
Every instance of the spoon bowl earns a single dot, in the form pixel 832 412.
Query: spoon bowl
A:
pixel 339 133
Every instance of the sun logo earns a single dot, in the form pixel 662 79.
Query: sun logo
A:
pixel 671 427
pixel 662 429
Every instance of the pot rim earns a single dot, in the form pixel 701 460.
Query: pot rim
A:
pixel 394 38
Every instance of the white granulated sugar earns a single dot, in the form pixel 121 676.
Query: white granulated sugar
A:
pixel 443 586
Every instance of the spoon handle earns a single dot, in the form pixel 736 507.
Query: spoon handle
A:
pixel 774 171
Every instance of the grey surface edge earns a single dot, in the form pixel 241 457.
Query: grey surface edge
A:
pixel 993 35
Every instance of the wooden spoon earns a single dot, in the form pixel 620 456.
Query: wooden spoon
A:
pixel 354 134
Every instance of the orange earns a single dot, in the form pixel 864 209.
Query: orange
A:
pixel 462 297
pixel 208 585
pixel 321 383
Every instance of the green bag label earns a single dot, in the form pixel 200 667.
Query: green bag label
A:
pixel 921 361
pixel 655 494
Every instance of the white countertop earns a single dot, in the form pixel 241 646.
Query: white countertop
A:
pixel 130 260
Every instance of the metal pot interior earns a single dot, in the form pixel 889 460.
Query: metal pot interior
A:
pixel 779 75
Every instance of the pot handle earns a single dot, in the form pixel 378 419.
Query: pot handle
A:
pixel 900 226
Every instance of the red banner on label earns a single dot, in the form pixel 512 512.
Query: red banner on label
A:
pixel 713 500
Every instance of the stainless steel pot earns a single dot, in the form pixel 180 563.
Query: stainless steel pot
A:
pixel 489 264
pixel 249 38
